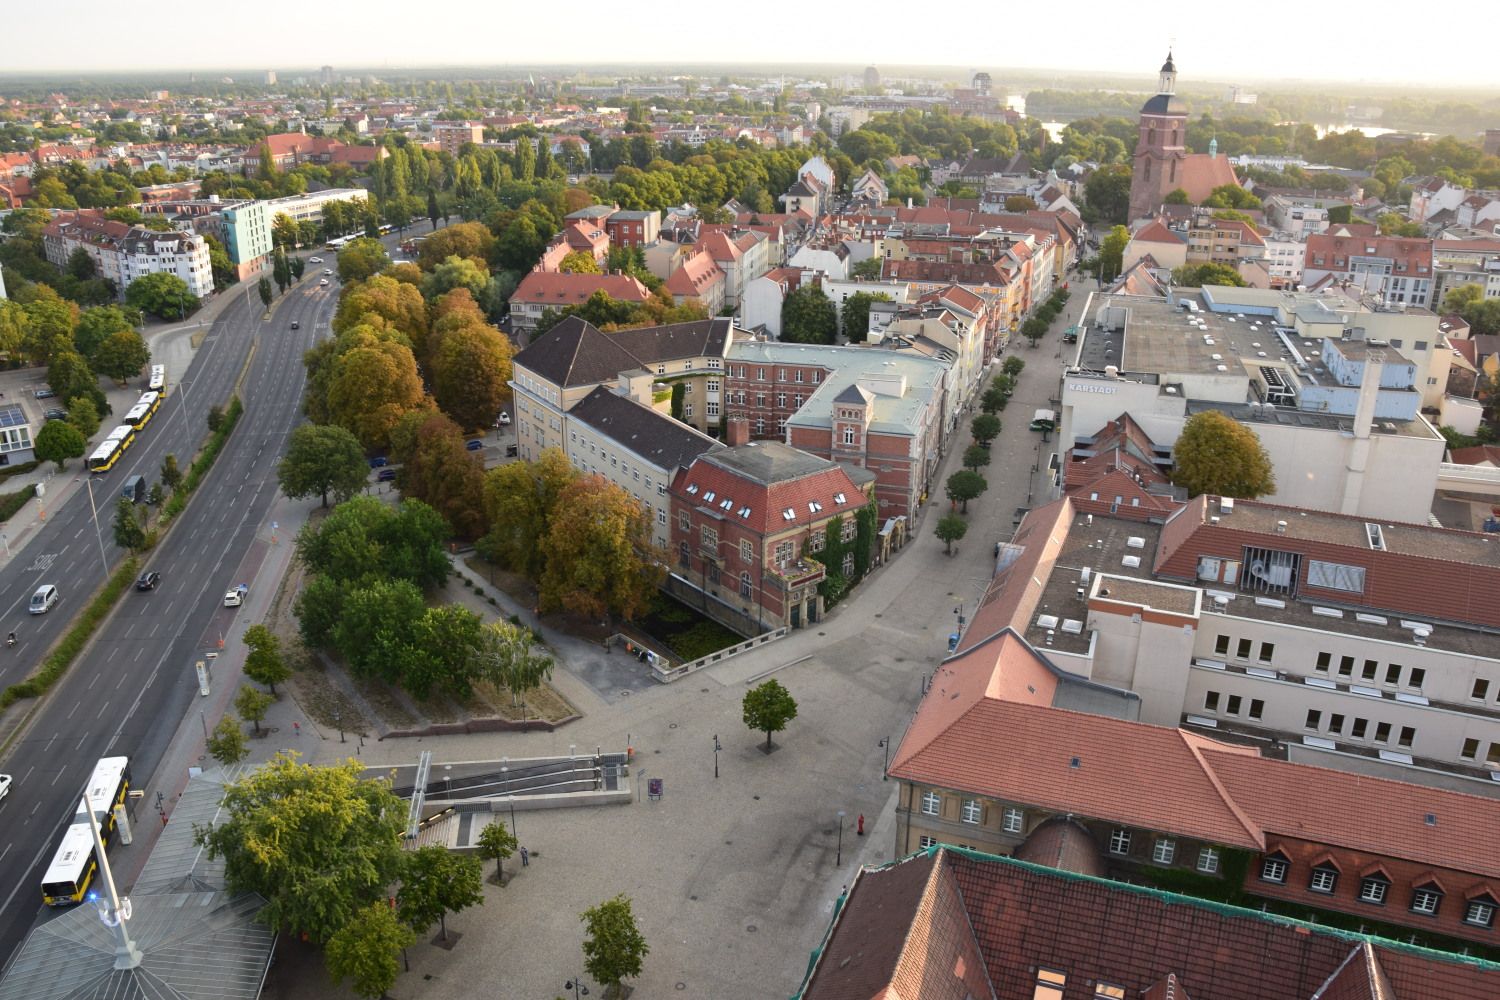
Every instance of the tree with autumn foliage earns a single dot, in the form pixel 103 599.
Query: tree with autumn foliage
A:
pixel 598 552
pixel 369 389
pixel 399 304
pixel 519 498
pixel 469 368
pixel 446 476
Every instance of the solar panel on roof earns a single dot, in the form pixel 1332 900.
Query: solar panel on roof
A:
pixel 12 416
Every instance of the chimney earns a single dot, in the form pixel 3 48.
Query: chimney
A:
pixel 736 430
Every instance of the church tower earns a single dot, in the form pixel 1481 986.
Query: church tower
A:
pixel 1160 146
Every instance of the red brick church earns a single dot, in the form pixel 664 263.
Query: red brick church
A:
pixel 1162 163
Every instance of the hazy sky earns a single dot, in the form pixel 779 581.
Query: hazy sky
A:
pixel 1269 39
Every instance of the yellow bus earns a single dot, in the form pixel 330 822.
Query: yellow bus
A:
pixel 158 381
pixel 112 448
pixel 141 413
pixel 76 862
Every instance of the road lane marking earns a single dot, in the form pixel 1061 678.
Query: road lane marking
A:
pixel 138 654
pixel 102 709
pixel 93 679
pixel 54 779
pixel 72 710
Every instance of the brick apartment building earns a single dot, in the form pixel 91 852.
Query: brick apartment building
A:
pixel 748 522
pixel 878 410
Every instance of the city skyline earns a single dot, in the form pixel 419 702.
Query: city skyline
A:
pixel 1357 53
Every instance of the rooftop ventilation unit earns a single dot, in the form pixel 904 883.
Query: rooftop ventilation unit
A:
pixel 1328 612
pixel 1072 626
pixel 1135 542
pixel 1132 562
pixel 1269 602
pixel 1046 621
pixel 1375 535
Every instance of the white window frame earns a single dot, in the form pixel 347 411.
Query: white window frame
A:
pixel 1479 913
pixel 1374 890
pixel 1164 850
pixel 1119 841
pixel 1208 860
pixel 972 812
pixel 1425 901
pixel 1274 870
pixel 1319 876
pixel 932 803
pixel 1013 820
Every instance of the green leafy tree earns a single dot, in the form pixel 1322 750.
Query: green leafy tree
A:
pixel 949 529
pixel 1218 454
pixel 613 946
pixel 1112 254
pixel 317 843
pixel 496 843
pixel 1197 275
pixel 161 294
pixel 128 531
pixel 365 949
pixel 579 262
pixel 122 355
pixel 95 327
pixel 283 231
pixel 440 471
pixel 1013 366
pixel 361 259
pixel 809 317
pixel 976 457
pixel 1177 197
pixel 252 705
pixel 83 415
pixel 964 486
pixel 227 743
pixel 264 288
pixel 296 265
pixel 508 657
pixel 59 441
pixel 768 708
pixel 264 663
pixel 868 269
pixel 281 273
pixel 322 460
pixel 1107 193
pixel 70 377
pixel 856 315
pixel 434 883
pixel 985 428
pixel 170 473
pixel 81 265
pixel 994 399
pixel 365 538
pixel 470 371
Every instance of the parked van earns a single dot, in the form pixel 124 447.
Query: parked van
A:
pixel 42 601
pixel 135 489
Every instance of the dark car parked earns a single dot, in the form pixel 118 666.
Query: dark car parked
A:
pixel 148 580
pixel 386 475
pixel 378 462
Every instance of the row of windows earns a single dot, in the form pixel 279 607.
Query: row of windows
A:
pixel 1164 851
pixel 738 371
pixel 1375 889
pixel 971 811
pixel 1233 704
pixel 1359 729
pixel 742 398
pixel 1471 752
pixel 1369 670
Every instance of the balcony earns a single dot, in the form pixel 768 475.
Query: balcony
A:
pixel 797 573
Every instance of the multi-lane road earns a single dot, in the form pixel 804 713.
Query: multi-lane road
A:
pixel 128 692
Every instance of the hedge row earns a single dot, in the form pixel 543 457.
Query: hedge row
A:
pixel 12 502
pixel 17 470
pixel 203 462
pixel 72 644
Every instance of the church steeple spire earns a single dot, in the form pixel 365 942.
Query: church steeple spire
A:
pixel 1168 80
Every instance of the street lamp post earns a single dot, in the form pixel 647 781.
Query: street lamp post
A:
pixel 839 858
pixel 338 720
pixel 576 985
pixel 103 563
pixel 885 744
pixel 717 748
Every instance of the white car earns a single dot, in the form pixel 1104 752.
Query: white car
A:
pixel 315 260
pixel 504 420
pixel 4 785
pixel 234 598
pixel 323 283
pixel 327 270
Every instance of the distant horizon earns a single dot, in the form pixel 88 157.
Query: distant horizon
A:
pixel 969 36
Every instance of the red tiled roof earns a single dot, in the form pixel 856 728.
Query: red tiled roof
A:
pixel 1156 232
pixel 555 288
pixel 814 481
pixel 695 277
pixel 1335 250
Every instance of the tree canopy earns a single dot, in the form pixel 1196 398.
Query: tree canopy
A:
pixel 613 946
pixel 361 259
pixel 322 460
pixel 1218 454
pixel 768 708
pixel 318 843
pixel 808 316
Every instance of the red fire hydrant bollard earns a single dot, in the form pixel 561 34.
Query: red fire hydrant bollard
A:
pixel 861 827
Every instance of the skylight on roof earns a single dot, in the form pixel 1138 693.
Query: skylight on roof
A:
pixel 744 512
pixel 789 515
pixel 726 503
pixel 708 497
pixel 839 498
pixel 813 506
pixel 692 487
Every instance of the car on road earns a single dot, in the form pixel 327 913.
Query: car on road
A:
pixel 56 414
pixel 234 598
pixel 4 785
pixel 385 475
pixel 328 270
pixel 315 260
pixel 41 602
pixel 45 393
pixel 504 420
pixel 296 325
pixel 474 445
pixel 148 580
pixel 323 283
pixel 379 462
